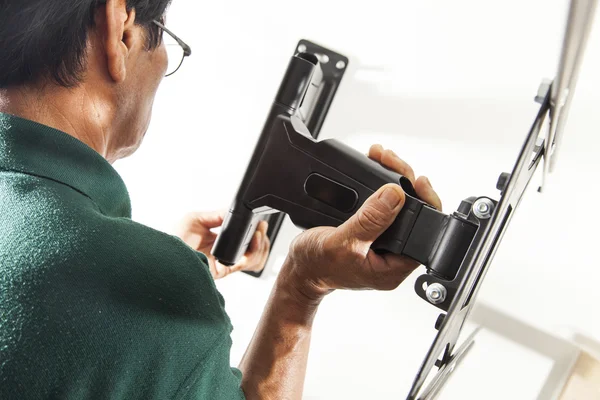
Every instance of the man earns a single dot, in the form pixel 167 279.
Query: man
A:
pixel 94 305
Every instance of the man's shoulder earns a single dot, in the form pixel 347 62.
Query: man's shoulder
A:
pixel 149 256
pixel 57 234
pixel 36 208
pixel 113 298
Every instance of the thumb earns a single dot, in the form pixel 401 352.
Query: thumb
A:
pixel 376 214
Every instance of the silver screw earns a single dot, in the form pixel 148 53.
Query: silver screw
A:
pixel 323 58
pixel 483 208
pixel 340 64
pixel 301 48
pixel 436 293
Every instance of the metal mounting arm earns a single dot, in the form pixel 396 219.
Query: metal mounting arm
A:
pixel 323 183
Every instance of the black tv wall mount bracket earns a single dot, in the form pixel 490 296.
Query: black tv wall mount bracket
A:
pixel 323 183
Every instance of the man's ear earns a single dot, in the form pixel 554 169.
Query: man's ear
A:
pixel 118 39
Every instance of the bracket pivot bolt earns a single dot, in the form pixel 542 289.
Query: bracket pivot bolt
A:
pixel 436 293
pixel 483 208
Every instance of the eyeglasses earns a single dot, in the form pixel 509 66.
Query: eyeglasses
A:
pixel 177 50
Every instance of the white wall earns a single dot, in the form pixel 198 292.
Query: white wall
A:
pixel 449 86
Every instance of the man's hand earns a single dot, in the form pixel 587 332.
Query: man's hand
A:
pixel 325 259
pixel 322 260
pixel 195 230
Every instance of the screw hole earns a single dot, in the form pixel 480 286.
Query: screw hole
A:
pixel 323 58
pixel 340 65
pixel 301 48
pixel 425 285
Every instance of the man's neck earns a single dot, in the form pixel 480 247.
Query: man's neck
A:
pixel 68 110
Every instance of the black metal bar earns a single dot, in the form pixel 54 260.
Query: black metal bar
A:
pixel 465 287
pixel 313 110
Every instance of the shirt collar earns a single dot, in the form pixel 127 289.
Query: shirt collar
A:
pixel 35 149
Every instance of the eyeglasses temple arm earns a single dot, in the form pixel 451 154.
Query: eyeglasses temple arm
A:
pixel 187 50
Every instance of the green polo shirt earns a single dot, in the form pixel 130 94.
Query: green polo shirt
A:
pixel 92 304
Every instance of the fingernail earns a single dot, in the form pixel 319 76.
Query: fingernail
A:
pixel 428 182
pixel 391 198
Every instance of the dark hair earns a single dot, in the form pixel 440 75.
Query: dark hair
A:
pixel 47 39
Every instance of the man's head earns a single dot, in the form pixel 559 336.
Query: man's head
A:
pixel 106 56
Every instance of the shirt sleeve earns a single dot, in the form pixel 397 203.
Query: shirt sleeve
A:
pixel 214 378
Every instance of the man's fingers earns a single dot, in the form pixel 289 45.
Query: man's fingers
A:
pixel 256 256
pixel 260 236
pixel 256 253
pixel 207 240
pixel 225 270
pixel 389 159
pixel 213 219
pixel 212 265
pixel 427 193
pixel 375 215
pixel 400 268
pixel 262 255
pixel 395 163
pixel 255 243
pixel 263 226
pixel 401 264
pixel 375 152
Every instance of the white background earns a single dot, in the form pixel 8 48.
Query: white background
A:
pixel 448 85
